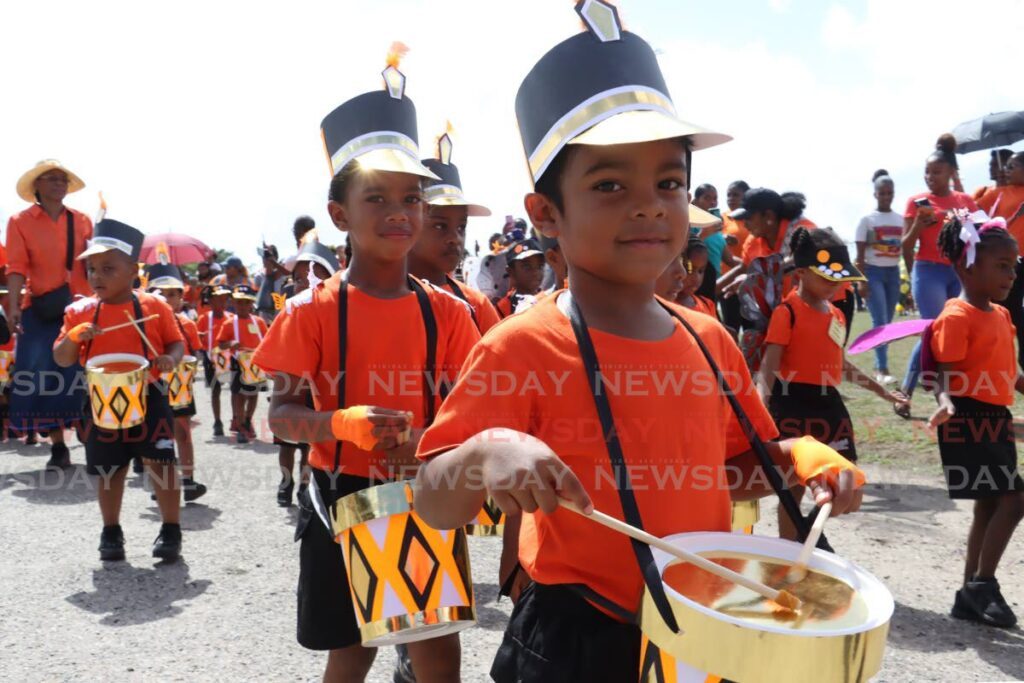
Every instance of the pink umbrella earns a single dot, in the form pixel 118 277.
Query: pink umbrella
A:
pixel 175 247
pixel 887 333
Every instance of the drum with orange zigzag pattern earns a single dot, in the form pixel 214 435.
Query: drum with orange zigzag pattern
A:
pixel 117 389
pixel 180 382
pixel 489 522
pixel 408 582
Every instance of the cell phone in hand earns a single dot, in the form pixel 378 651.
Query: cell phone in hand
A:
pixel 922 202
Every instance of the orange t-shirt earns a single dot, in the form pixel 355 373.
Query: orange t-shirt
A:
pixel 676 430
pixel 161 332
pixel 504 305
pixel 978 345
pixel 248 332
pixel 209 329
pixel 704 305
pixel 190 332
pixel 37 249
pixel 483 309
pixel 385 356
pixel 928 238
pixel 810 355
pixel 736 228
pixel 1007 202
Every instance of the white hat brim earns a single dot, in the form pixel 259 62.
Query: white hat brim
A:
pixel 394 161
pixel 630 127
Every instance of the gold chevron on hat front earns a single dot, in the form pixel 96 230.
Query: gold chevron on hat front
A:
pixel 601 87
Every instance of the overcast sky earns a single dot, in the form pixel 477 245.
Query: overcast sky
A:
pixel 203 117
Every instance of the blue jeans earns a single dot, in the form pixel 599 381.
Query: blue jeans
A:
pixel 884 285
pixel 933 285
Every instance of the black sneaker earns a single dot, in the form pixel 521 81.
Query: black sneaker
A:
pixel 403 666
pixel 218 428
pixel 112 544
pixel 31 439
pixel 981 601
pixel 60 457
pixel 192 489
pixel 284 492
pixel 240 437
pixel 167 545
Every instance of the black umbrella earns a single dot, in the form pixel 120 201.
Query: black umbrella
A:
pixel 994 130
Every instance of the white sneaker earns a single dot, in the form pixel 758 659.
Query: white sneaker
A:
pixel 884 379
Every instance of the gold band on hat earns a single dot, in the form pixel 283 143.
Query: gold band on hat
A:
pixel 435 193
pixel 596 109
pixel 368 143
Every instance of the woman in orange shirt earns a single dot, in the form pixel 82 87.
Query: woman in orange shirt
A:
pixel 804 352
pixel 1007 201
pixel 972 344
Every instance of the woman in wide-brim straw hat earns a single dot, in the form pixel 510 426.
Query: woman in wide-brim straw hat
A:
pixel 43 259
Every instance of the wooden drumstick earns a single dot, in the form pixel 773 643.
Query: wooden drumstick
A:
pixel 120 325
pixel 783 598
pixel 135 323
pixel 798 571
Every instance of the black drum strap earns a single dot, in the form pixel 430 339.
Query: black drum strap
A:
pixel 137 307
pixel 630 510
pixel 462 295
pixel 429 374
pixel 789 502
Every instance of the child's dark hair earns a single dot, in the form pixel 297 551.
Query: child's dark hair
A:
pixel 793 204
pixel 880 173
pixel 1015 156
pixel 952 247
pixel 1003 155
pixel 695 245
pixel 550 182
pixel 740 185
pixel 945 150
pixel 824 238
pixel 340 181
pixel 703 190
pixel 302 225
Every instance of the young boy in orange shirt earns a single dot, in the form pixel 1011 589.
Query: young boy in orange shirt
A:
pixel 243 332
pixel 111 259
pixel 341 339
pixel 525 275
pixel 442 244
pixel 615 197
pixel 166 280
pixel 209 325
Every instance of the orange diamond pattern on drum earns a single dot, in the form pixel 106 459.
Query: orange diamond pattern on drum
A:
pixel 97 401
pixel 417 563
pixel 492 510
pixel 119 404
pixel 175 385
pixel 363 579
pixel 652 668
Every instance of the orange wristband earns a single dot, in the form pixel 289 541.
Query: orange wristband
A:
pixel 352 425
pixel 812 459
pixel 76 332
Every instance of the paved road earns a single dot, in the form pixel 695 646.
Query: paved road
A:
pixel 226 612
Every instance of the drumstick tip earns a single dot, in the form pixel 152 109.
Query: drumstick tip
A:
pixel 787 601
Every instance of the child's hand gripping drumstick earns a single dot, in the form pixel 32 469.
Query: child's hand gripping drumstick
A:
pixel 782 598
pixel 798 571
pixel 371 428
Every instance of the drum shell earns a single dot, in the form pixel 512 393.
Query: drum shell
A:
pixel 408 582
pixel 181 382
pixel 222 366
pixel 118 400
pixel 250 374
pixel 709 641
pixel 489 522
pixel 6 363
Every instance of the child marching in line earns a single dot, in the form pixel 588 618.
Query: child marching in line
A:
pixel 166 279
pixel 111 259
pixel 319 260
pixel 209 325
pixel 972 344
pixel 360 328
pixel 615 197
pixel 804 359
pixel 442 244
pixel 525 274
pixel 243 332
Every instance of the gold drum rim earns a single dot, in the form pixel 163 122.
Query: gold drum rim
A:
pixel 737 650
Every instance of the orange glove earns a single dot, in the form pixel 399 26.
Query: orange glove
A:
pixel 79 331
pixel 812 458
pixel 353 425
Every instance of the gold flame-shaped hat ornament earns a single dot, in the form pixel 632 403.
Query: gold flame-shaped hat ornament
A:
pixel 376 130
pixel 447 190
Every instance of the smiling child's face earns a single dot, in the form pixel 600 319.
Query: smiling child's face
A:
pixel 382 213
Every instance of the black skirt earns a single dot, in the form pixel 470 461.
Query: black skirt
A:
pixel 979 455
pixel 813 410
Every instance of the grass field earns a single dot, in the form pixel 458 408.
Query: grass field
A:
pixel 883 437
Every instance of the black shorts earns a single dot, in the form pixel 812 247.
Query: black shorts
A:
pixel 107 451
pixel 244 389
pixel 979 455
pixel 326 616
pixel 208 374
pixel 812 410
pixel 185 411
pixel 556 635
